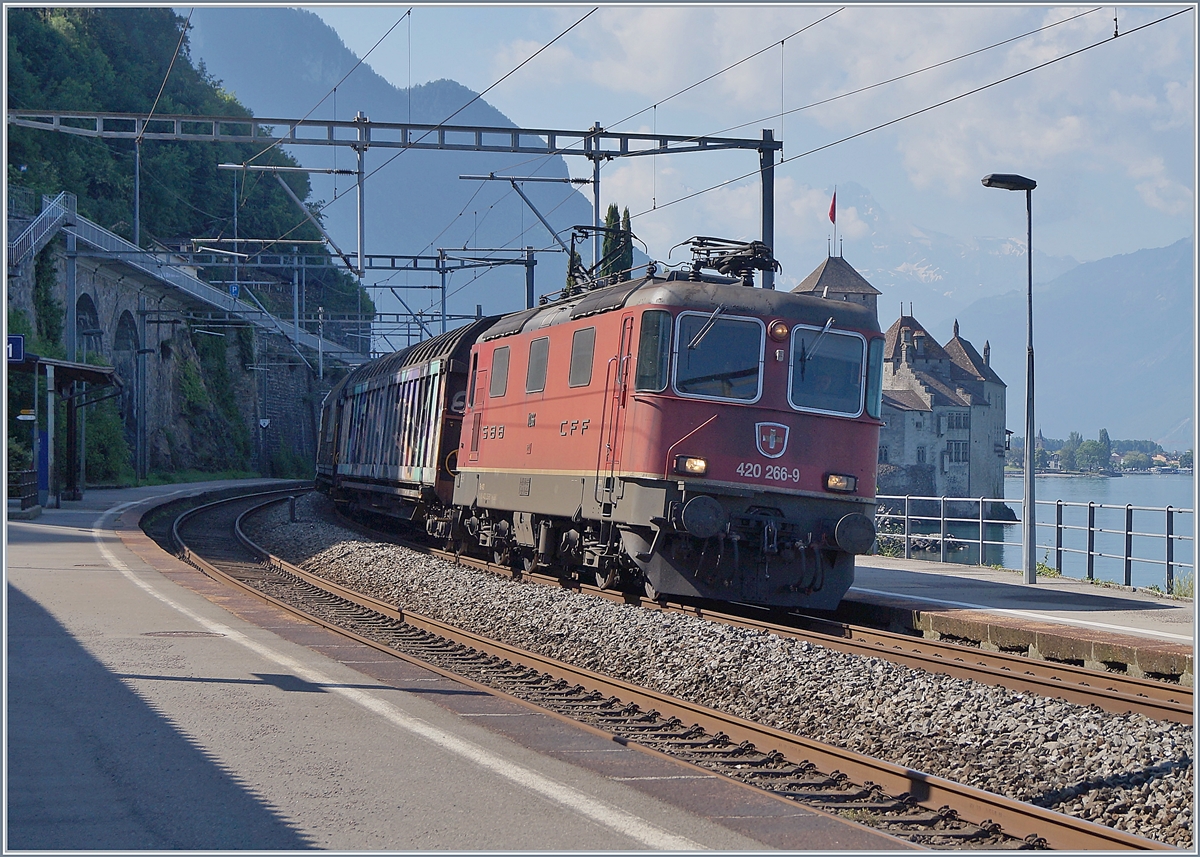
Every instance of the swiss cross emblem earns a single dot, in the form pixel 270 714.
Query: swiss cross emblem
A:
pixel 772 438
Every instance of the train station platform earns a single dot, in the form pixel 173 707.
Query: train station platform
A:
pixel 150 707
pixel 1100 626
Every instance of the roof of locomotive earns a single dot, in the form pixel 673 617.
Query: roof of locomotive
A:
pixel 704 295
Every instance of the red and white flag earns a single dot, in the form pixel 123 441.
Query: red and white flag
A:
pixel 833 209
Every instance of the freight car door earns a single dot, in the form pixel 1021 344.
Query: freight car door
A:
pixel 612 426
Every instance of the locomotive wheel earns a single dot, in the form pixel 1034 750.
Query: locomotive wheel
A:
pixel 651 592
pixel 528 561
pixel 502 556
pixel 606 579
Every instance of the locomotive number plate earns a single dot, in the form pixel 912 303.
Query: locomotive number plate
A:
pixel 773 472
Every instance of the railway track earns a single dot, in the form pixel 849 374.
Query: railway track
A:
pixel 1112 692
pixel 926 810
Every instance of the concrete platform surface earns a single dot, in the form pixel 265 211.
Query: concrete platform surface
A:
pixel 1103 627
pixel 151 708
pixel 1061 600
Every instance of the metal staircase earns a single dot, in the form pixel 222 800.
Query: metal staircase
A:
pixel 56 212
pixel 60 213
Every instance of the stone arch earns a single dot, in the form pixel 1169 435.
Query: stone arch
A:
pixel 125 349
pixel 87 320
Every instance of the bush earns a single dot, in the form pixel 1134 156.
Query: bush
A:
pixel 109 458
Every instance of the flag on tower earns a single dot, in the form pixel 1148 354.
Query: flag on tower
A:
pixel 833 208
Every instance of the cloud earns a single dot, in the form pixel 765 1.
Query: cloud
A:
pixel 1158 190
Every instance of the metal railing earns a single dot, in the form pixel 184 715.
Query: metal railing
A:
pixel 942 529
pixel 56 211
pixel 161 266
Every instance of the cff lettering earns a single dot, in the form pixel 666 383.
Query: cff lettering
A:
pixel 569 427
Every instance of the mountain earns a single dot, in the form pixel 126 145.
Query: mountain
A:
pixel 939 274
pixel 280 62
pixel 1113 347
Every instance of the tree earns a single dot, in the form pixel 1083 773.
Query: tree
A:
pixel 1041 459
pixel 1090 456
pixel 1105 443
pixel 1185 460
pixel 625 264
pixel 1136 461
pixel 1066 455
pixel 612 241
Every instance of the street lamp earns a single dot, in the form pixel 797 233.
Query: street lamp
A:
pixel 1008 181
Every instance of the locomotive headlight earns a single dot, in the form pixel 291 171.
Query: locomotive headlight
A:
pixel 841 482
pixel 690 465
pixel 778 330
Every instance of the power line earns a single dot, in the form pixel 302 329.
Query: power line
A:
pixel 171 65
pixel 727 68
pixel 489 89
pixel 361 60
pixel 905 75
pixel 917 112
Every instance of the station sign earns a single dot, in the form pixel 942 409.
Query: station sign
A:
pixel 27 415
pixel 16 348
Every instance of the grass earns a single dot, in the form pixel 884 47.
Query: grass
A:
pixel 1184 586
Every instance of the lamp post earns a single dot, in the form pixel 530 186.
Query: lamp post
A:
pixel 1008 181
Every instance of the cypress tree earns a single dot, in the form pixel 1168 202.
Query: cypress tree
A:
pixel 625 264
pixel 612 223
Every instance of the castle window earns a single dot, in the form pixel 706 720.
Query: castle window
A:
pixel 883 455
pixel 958 420
pixel 958 451
pixel 920 455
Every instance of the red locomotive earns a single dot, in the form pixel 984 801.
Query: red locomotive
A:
pixel 686 433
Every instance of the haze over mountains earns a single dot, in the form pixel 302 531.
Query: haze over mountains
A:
pixel 1113 337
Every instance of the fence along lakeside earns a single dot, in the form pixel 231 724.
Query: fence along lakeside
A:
pixel 1135 545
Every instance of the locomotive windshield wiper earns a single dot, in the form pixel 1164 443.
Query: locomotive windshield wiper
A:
pixel 805 355
pixel 712 319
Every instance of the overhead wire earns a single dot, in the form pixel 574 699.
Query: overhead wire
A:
pixel 321 101
pixel 716 74
pixel 182 35
pixel 899 77
pixel 926 109
pixel 505 77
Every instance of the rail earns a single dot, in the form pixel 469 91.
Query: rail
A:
pixel 941 528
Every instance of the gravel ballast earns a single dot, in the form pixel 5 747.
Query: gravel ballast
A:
pixel 1126 771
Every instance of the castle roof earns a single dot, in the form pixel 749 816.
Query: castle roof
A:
pixel 838 275
pixel 952 376
pixel 905 400
pixel 963 353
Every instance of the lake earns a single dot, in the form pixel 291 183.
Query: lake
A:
pixel 1146 490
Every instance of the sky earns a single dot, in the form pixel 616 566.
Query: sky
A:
pixel 1109 134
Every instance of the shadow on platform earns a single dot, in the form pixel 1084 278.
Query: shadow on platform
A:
pixel 92 767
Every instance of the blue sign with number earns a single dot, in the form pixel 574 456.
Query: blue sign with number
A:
pixel 16 348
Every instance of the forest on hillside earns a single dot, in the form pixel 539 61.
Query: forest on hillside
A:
pixel 117 60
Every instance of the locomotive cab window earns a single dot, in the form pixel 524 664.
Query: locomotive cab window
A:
pixel 535 373
pixel 499 379
pixel 583 348
pixel 654 352
pixel 827 372
pixel 719 357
